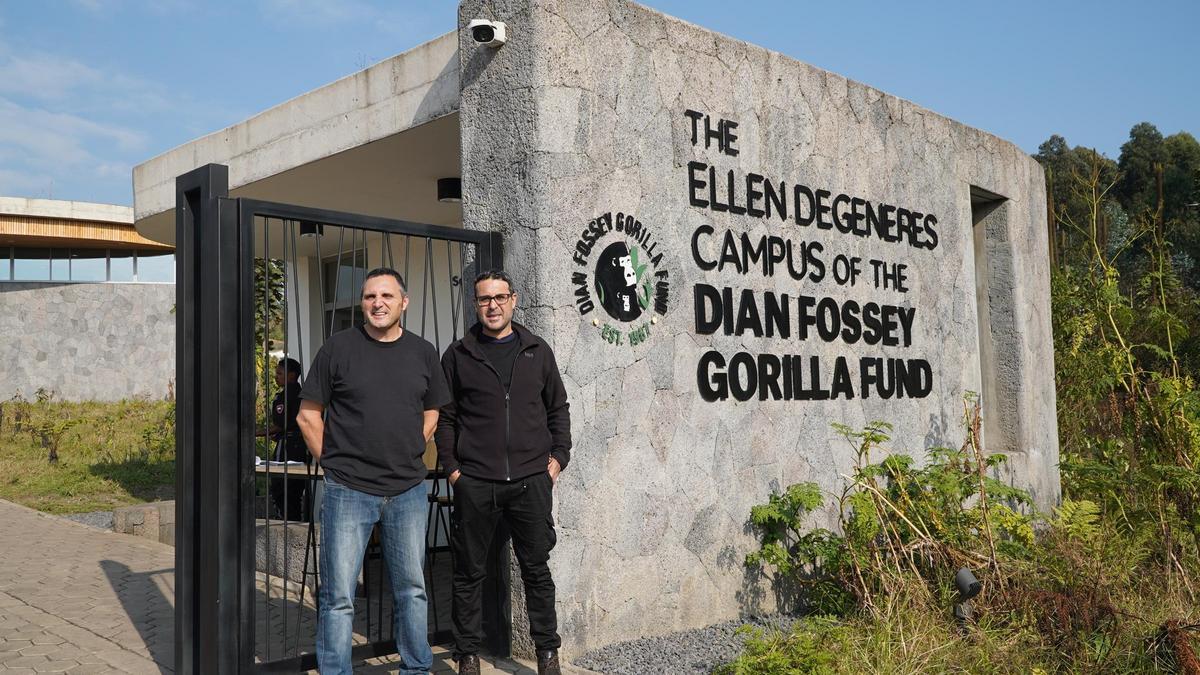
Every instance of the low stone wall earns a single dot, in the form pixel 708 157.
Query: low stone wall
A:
pixel 84 341
pixel 155 521
pixel 278 548
pixel 279 551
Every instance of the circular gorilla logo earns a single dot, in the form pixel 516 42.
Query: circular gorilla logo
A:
pixel 622 285
pixel 627 277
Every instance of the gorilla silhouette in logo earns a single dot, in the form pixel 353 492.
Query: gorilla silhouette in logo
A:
pixel 616 283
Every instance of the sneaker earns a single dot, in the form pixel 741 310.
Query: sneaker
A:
pixel 468 665
pixel 548 662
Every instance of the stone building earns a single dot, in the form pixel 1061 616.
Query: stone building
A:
pixel 85 303
pixel 728 250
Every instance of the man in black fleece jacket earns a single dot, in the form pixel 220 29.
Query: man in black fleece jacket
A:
pixel 503 440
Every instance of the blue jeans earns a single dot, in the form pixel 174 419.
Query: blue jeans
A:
pixel 347 518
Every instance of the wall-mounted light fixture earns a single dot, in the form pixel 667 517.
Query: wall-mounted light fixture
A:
pixel 449 189
pixel 310 229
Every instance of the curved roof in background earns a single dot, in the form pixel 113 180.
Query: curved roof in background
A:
pixel 51 222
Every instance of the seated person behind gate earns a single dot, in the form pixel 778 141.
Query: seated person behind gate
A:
pixel 289 443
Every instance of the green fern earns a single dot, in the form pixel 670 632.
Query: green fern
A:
pixel 1078 519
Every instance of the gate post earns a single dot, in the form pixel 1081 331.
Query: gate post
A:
pixel 214 426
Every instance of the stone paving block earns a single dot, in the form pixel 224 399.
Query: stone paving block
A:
pixel 67 652
pixel 128 661
pixel 25 662
pixel 26 634
pixel 9 656
pixel 40 650
pixel 55 666
pixel 81 638
pixel 12 646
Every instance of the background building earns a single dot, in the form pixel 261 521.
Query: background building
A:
pixel 85 303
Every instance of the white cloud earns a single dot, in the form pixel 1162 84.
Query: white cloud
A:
pixel 59 138
pixel 23 184
pixel 40 150
pixel 46 77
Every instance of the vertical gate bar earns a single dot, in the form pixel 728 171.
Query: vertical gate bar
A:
pixel 230 438
pixel 284 520
pixel 296 287
pixel 424 286
pixel 355 264
pixel 407 278
pixel 462 290
pixel 320 287
pixel 450 292
pixel 353 269
pixel 337 279
pixel 242 465
pixel 355 275
pixel 269 614
pixel 308 486
pixel 437 335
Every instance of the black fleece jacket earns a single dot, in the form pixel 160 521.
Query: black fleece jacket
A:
pixel 486 432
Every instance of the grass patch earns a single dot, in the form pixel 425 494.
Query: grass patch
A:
pixel 107 454
pixel 909 633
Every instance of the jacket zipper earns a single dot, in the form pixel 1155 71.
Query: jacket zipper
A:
pixel 507 437
pixel 507 410
pixel 512 372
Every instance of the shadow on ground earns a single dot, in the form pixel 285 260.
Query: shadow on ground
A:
pixel 150 480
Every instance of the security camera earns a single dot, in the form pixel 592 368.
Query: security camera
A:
pixel 488 33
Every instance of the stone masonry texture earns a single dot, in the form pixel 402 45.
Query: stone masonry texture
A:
pixel 87 341
pixel 583 113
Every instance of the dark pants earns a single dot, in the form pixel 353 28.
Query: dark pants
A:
pixel 525 507
pixel 291 506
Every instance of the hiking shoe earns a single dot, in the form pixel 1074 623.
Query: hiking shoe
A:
pixel 548 662
pixel 468 665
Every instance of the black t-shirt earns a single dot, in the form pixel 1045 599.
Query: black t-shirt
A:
pixel 375 394
pixel 501 353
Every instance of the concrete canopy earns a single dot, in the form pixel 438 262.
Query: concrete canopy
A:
pixel 374 142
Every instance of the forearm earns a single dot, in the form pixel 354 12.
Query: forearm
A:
pixel 429 423
pixel 312 427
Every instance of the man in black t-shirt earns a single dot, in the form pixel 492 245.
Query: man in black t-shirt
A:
pixel 503 441
pixel 369 405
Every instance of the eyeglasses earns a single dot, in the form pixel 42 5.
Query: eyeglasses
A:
pixel 500 298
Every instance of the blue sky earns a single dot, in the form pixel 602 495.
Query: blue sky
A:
pixel 90 88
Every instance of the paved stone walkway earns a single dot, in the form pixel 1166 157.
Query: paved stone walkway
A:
pixel 75 599
pixel 80 600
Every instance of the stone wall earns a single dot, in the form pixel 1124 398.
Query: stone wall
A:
pixel 597 111
pixel 154 521
pixel 87 341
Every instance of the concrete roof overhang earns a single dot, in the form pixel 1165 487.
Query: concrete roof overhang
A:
pixel 374 142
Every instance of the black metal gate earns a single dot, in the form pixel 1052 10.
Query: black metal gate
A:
pixel 257 282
